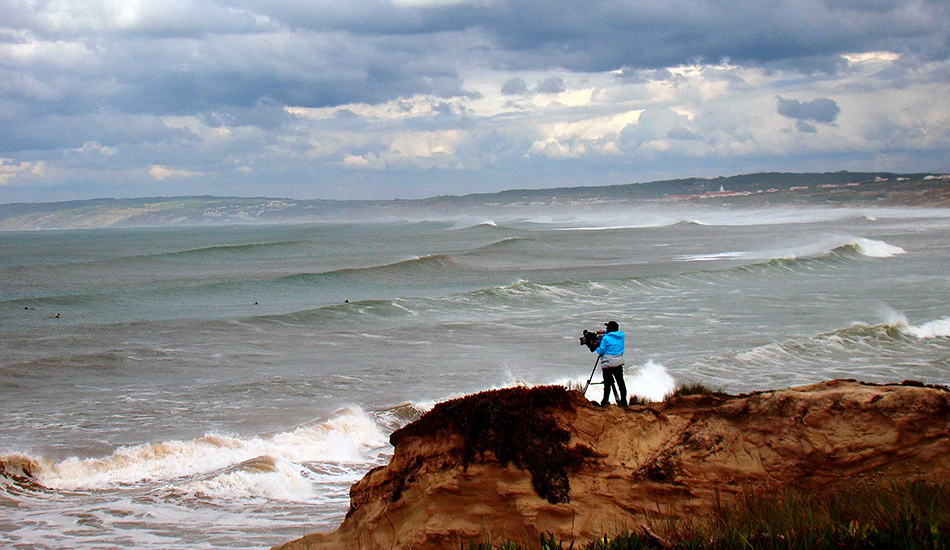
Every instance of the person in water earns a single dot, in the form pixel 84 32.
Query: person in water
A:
pixel 610 351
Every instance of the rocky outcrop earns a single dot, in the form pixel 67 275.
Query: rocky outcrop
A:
pixel 512 464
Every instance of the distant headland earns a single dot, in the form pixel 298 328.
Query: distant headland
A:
pixel 762 189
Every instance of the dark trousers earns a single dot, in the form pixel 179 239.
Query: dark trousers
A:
pixel 614 375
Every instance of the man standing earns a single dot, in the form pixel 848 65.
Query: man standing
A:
pixel 610 351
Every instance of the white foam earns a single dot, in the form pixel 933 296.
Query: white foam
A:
pixel 877 249
pixel 467 222
pixel 346 437
pixel 650 381
pixel 867 247
pixel 284 481
pixel 712 257
pixel 938 328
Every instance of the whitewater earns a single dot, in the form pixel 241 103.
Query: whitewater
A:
pixel 209 387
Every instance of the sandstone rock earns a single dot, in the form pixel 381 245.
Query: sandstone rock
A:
pixel 468 471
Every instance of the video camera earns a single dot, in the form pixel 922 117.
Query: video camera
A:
pixel 591 339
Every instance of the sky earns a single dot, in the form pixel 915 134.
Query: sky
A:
pixel 382 99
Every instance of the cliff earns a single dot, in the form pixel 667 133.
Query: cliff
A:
pixel 512 464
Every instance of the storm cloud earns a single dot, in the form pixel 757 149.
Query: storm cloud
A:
pixel 243 97
pixel 822 110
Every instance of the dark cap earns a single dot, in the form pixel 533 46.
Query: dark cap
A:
pixel 612 326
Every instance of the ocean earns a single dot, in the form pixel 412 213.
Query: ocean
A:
pixel 222 387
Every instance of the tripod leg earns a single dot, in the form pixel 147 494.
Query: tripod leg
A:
pixel 597 362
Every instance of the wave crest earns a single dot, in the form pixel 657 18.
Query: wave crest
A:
pixel 836 246
pixel 344 438
pixel 830 248
pixel 875 249
pixel 262 477
pixel 937 328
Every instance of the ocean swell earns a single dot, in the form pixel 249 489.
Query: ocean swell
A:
pixel 874 342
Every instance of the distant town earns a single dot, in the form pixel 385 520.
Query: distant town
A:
pixel 723 193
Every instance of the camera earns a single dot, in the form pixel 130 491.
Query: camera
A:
pixel 591 339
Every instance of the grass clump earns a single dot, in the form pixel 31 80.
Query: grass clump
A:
pixel 695 388
pixel 863 515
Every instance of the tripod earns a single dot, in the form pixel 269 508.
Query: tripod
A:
pixel 589 383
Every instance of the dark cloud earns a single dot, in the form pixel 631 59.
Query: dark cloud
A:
pixel 552 85
pixel 804 127
pixel 210 55
pixel 821 110
pixel 607 35
pixel 266 114
pixel 682 134
pixel 81 76
pixel 443 109
pixel 817 64
pixel 367 17
pixel 515 86
pixel 57 132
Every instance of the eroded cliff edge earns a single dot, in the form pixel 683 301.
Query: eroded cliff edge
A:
pixel 512 464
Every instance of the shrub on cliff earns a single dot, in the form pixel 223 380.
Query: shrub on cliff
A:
pixel 517 426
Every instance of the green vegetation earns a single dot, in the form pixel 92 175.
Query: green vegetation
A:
pixel 867 513
pixel 681 390
pixel 695 388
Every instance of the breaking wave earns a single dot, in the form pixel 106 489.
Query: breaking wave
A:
pixel 938 328
pixel 839 246
pixel 829 248
pixel 273 467
pixel 876 342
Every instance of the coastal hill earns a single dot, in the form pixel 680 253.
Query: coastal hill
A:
pixel 833 188
pixel 513 464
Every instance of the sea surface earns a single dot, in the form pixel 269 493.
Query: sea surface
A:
pixel 222 387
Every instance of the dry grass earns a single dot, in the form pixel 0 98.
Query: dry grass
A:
pixel 867 513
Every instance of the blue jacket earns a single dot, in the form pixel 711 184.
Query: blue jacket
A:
pixel 612 344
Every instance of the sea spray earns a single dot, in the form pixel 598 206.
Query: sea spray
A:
pixel 650 381
pixel 936 328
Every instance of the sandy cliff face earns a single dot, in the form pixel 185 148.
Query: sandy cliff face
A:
pixel 512 464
